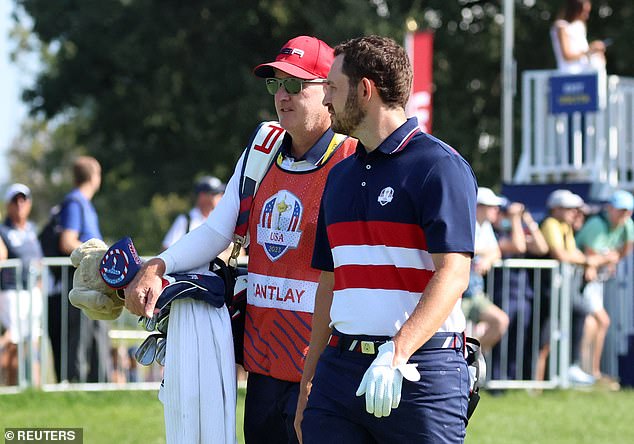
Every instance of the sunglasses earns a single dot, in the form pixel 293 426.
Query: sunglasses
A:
pixel 292 85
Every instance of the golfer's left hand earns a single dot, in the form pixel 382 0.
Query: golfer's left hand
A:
pixel 382 382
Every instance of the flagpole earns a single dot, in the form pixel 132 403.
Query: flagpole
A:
pixel 508 86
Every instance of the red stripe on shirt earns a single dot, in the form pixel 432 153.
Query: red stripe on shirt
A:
pixel 391 234
pixel 385 277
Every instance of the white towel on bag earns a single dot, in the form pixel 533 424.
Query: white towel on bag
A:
pixel 199 388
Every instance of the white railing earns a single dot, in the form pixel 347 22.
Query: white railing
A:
pixel 595 147
pixel 517 350
pixel 35 356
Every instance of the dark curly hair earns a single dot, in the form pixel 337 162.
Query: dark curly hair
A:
pixel 381 60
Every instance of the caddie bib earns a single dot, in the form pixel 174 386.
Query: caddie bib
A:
pixel 281 283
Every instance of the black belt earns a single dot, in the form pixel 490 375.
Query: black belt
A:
pixel 369 345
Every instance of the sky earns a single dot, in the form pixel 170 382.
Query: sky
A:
pixel 12 110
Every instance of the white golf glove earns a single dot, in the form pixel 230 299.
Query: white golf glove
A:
pixel 382 383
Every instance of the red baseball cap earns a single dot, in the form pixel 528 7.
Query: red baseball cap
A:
pixel 303 57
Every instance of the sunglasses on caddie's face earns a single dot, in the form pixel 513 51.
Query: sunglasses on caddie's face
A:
pixel 292 85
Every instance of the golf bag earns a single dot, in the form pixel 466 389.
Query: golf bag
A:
pixel 477 372
pixel 235 280
pixel 226 286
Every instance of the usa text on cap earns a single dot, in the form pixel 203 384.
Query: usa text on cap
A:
pixel 303 57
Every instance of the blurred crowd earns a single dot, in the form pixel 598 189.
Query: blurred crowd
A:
pixel 498 303
pixel 594 239
pixel 79 349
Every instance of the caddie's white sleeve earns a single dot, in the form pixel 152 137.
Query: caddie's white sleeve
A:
pixel 201 245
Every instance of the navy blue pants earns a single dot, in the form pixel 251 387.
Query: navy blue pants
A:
pixel 432 410
pixel 269 410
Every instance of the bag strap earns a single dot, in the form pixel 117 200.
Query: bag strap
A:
pixel 259 156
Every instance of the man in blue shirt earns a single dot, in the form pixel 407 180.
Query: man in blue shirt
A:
pixel 394 243
pixel 87 342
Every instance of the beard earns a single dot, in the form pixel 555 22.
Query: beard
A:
pixel 347 121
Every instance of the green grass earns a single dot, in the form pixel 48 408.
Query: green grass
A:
pixel 558 417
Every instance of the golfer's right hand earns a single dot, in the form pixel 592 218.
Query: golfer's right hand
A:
pixel 299 411
pixel 143 292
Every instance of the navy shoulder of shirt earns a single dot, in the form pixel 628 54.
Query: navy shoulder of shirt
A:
pixel 412 178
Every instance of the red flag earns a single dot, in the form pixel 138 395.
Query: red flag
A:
pixel 420 48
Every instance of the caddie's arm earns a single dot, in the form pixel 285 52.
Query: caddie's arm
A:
pixel 143 292
pixel 196 249
pixel 441 295
pixel 318 339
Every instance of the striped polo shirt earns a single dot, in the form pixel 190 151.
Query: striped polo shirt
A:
pixel 382 215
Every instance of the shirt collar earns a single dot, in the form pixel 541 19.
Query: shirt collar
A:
pixel 398 140
pixel 315 153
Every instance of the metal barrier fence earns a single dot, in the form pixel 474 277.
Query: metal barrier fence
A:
pixel 524 288
pixel 595 146
pixel 535 294
pixel 36 361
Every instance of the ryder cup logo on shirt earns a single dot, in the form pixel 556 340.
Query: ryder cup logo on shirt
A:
pixel 386 195
pixel 278 227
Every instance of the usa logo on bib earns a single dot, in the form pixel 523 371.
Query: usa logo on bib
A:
pixel 278 229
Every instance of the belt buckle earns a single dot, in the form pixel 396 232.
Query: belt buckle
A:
pixel 367 348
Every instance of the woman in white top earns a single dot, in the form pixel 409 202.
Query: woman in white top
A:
pixel 570 42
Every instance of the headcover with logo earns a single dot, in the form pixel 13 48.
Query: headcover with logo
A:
pixel 120 264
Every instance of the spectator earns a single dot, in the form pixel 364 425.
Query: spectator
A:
pixel 575 55
pixel 86 343
pixel 477 307
pixel 18 305
pixel 558 232
pixel 208 191
pixel 570 43
pixel 518 236
pixel 608 237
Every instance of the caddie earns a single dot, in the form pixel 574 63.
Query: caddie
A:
pixel 280 221
pixel 394 242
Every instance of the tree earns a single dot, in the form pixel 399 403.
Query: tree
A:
pixel 161 92
pixel 166 89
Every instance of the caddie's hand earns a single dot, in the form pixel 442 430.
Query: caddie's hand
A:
pixel 143 292
pixel 382 382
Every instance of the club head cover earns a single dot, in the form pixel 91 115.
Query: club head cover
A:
pixel 120 264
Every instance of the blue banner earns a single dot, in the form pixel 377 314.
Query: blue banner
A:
pixel 574 93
